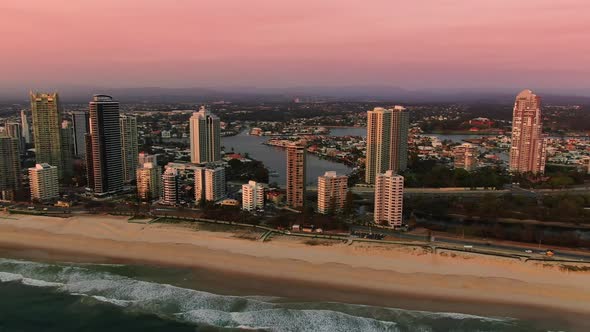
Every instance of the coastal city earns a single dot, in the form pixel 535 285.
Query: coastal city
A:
pixel 361 171
pixel 294 166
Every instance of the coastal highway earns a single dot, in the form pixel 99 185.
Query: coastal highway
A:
pixel 510 249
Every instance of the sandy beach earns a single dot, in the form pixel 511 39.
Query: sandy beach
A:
pixel 373 274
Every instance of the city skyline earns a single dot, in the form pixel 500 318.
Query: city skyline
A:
pixel 414 45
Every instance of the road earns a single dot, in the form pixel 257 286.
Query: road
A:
pixel 488 245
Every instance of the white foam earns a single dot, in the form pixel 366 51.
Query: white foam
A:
pixel 288 320
pixel 7 277
pixel 40 283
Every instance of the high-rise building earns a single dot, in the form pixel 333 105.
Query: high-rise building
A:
pixel 387 141
pixel 25 125
pixel 296 176
pixel 105 146
pixel 10 172
pixel 147 158
pixel 209 183
pixel 170 186
pixel 89 161
pixel 332 190
pixel 252 196
pixel 46 115
pixel 389 198
pixel 43 182
pixel 149 179
pixel 13 129
pixel 67 149
pixel 129 149
pixel 80 124
pixel 205 132
pixel 465 156
pixel 528 149
pixel 586 164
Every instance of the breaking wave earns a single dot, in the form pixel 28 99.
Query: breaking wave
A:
pixel 93 284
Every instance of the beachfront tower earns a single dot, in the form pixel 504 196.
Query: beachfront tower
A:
pixel 43 182
pixel 389 197
pixel 528 149
pixel 105 146
pixel 149 180
pixel 252 196
pixel 332 190
pixel 10 172
pixel 209 183
pixel 170 187
pixel 205 137
pixel 46 115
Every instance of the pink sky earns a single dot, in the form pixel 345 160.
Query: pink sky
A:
pixel 411 44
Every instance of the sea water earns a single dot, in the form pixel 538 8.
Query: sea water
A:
pixel 41 296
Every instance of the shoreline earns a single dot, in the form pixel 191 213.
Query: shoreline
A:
pixel 363 274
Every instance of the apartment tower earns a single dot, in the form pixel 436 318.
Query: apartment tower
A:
pixel 387 141
pixel 46 115
pixel 465 156
pixel 296 176
pixel 149 179
pixel 80 128
pixel 209 183
pixel 10 172
pixel 252 196
pixel 105 145
pixel 332 190
pixel 205 137
pixel 170 186
pixel 43 182
pixel 24 119
pixel 528 149
pixel 389 197
pixel 129 148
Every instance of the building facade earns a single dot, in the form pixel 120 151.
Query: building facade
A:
pixel 46 116
pixel 389 198
pixel 67 149
pixel 170 187
pixel 332 190
pixel 149 179
pixel 105 146
pixel 205 137
pixel 80 128
pixel 25 125
pixel 387 141
pixel 14 130
pixel 43 179
pixel 252 196
pixel 147 158
pixel 129 146
pixel 10 171
pixel 296 163
pixel 209 183
pixel 465 156
pixel 528 147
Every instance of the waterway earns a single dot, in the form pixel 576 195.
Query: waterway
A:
pixel 275 159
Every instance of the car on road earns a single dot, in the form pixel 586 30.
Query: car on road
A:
pixel 528 251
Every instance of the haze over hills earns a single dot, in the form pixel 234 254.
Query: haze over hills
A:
pixel 377 93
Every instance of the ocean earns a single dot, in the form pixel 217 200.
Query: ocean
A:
pixel 50 296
